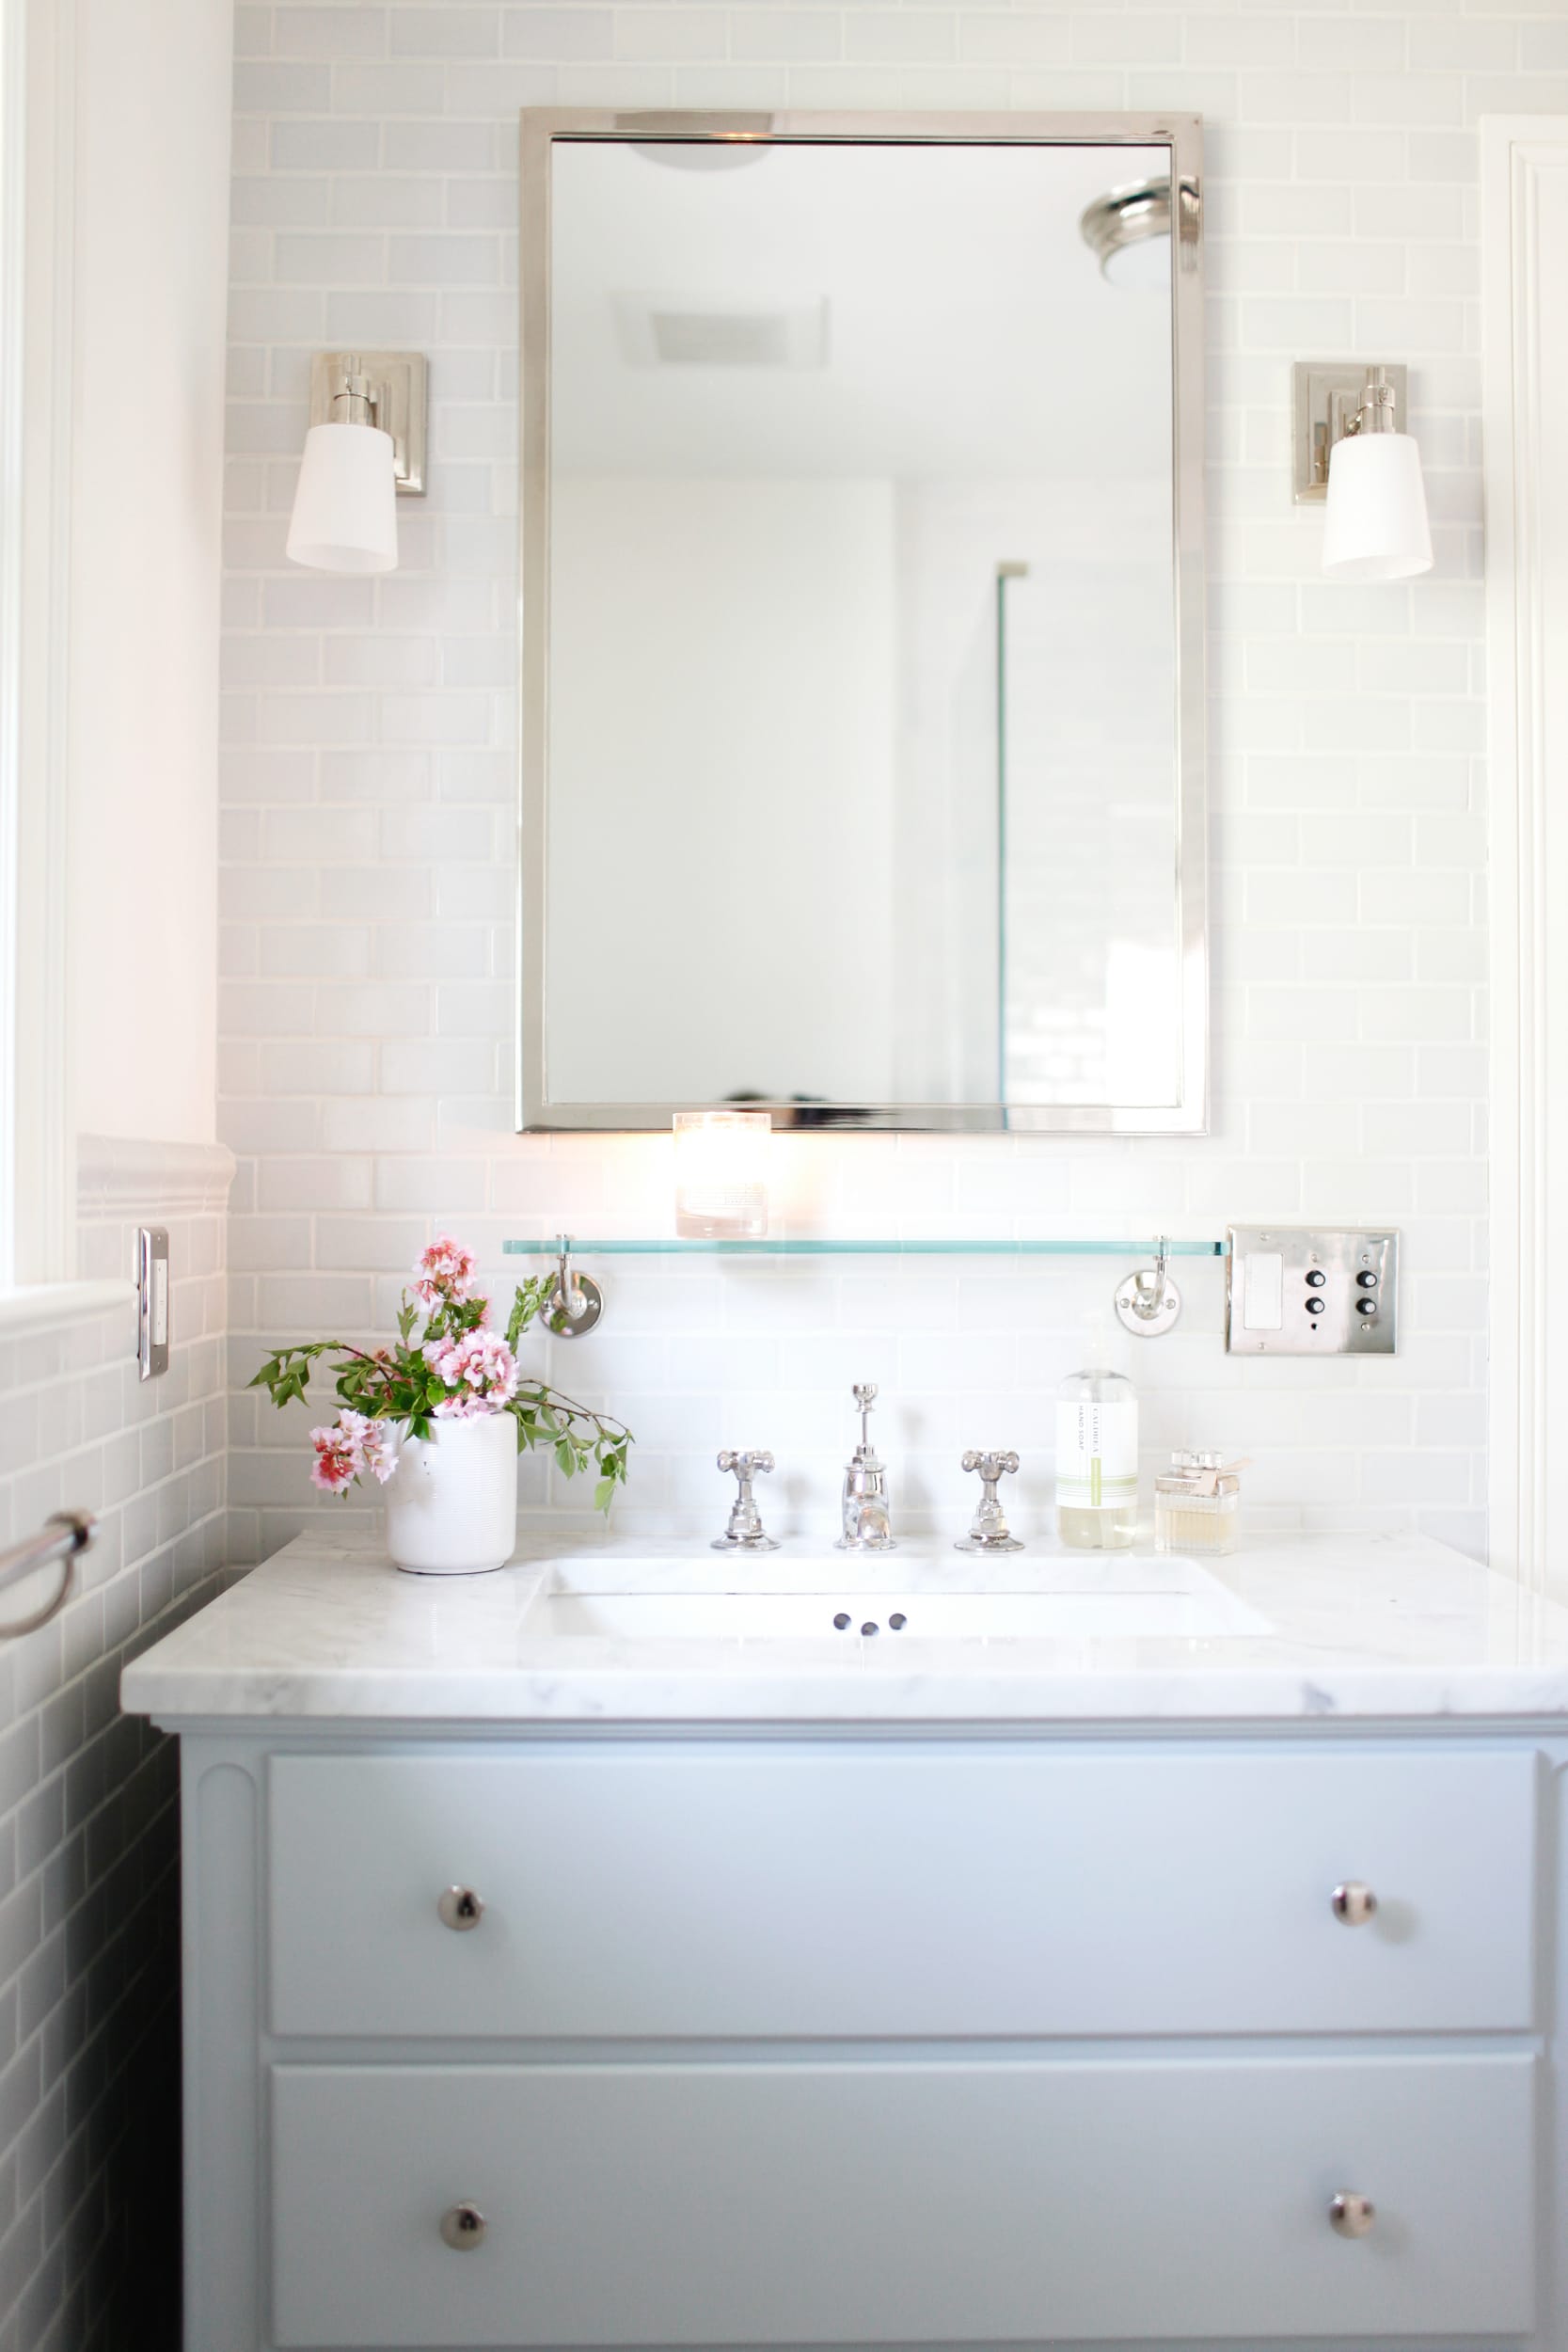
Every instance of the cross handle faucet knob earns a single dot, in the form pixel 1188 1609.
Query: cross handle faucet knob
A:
pixel 991 1466
pixel 745 1465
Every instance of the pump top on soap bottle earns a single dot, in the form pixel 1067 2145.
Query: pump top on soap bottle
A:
pixel 1097 1455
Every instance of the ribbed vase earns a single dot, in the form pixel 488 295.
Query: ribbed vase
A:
pixel 451 1502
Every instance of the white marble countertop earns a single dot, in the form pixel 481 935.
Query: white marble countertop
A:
pixel 1354 1627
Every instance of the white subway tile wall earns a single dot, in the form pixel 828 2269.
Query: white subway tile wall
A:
pixel 369 830
pixel 89 1925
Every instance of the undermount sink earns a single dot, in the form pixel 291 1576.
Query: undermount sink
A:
pixel 834 1602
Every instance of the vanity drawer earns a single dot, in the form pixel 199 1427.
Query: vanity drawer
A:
pixel 725 1890
pixel 901 2204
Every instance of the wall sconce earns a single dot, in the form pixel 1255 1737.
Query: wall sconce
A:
pixel 721 1174
pixel 1128 231
pixel 1350 453
pixel 366 446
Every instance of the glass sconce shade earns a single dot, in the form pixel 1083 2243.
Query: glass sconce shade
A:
pixel 1128 229
pixel 721 1174
pixel 1375 526
pixel 345 504
pixel 1145 265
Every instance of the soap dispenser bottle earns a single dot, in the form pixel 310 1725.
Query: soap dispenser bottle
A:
pixel 1096 1461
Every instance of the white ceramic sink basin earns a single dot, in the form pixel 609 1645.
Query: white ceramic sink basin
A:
pixel 836 1603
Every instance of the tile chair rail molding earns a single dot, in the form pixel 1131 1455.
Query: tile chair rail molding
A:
pixel 115 1176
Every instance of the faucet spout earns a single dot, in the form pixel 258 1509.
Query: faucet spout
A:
pixel 868 1522
pixel 872 1529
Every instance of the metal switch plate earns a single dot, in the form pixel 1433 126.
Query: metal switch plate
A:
pixel 153 1300
pixel 1304 1290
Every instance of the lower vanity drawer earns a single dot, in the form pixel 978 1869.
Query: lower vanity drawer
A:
pixel 729 1890
pixel 900 2203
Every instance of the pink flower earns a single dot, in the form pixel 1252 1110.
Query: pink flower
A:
pixel 446 1272
pixel 375 1445
pixel 479 1366
pixel 334 1467
pixel 353 1445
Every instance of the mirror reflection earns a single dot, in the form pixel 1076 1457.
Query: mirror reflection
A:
pixel 862 785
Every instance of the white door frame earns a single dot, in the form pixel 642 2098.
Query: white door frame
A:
pixel 1524 342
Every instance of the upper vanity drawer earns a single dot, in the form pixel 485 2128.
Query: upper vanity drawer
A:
pixel 719 1889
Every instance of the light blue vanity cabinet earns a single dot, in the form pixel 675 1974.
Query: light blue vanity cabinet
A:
pixel 683 2032
pixel 861 2040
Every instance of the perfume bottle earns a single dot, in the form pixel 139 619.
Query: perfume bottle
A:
pixel 1096 1461
pixel 1197 1504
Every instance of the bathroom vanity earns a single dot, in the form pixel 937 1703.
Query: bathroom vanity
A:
pixel 616 1950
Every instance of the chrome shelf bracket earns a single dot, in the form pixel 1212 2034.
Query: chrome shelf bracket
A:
pixel 576 1302
pixel 1148 1302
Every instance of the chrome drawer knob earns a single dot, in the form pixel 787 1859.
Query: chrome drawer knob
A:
pixel 460 1909
pixel 1353 1904
pixel 1351 2214
pixel 463 2228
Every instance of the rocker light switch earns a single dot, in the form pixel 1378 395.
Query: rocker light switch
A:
pixel 1311 1291
pixel 1263 1293
pixel 153 1300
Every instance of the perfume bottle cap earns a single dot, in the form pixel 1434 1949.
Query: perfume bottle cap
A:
pixel 1201 1474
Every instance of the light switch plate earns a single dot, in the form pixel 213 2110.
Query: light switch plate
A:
pixel 151 1300
pixel 1306 1290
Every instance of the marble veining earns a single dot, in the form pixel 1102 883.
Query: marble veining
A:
pixel 1358 1626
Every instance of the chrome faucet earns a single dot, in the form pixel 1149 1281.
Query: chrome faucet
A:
pixel 868 1526
pixel 745 1531
pixel 988 1529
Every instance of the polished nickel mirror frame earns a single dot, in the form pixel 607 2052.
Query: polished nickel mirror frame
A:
pixel 542 127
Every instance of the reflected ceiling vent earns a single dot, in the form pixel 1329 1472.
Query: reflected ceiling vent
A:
pixel 687 331
pixel 1128 231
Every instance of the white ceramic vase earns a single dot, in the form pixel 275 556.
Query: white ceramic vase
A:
pixel 451 1502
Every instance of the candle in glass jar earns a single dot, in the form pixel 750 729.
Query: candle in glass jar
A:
pixel 721 1174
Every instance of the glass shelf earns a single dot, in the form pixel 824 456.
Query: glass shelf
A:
pixel 582 1245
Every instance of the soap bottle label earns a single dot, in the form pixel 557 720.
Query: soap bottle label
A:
pixel 1097 1454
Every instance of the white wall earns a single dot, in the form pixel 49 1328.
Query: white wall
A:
pixel 153 133
pixel 366 1064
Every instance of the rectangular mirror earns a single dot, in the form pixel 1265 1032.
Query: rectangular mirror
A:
pixel 863 673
